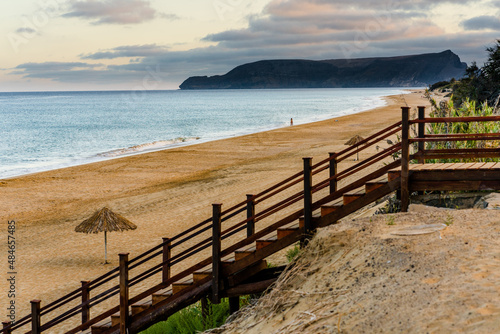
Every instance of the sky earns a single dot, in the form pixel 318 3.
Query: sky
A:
pixel 51 45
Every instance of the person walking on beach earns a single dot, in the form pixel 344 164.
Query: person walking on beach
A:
pixel 291 121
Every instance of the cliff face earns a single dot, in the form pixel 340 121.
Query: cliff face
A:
pixel 403 71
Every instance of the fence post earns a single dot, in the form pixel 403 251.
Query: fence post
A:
pixel 307 196
pixel 6 324
pixel 405 157
pixel 123 292
pixel 167 247
pixel 204 309
pixel 250 214
pixel 216 250
pixel 333 172
pixel 35 317
pixel 421 134
pixel 234 304
pixel 85 298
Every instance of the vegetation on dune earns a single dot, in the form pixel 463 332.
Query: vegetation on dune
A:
pixel 477 94
pixel 190 320
pixel 479 83
pixel 469 108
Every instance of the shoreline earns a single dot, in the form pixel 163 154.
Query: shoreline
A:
pixel 142 148
pixel 162 192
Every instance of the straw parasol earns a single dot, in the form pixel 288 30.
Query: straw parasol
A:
pixel 105 221
pixel 355 141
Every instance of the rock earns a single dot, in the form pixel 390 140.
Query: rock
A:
pixel 402 71
pixel 425 208
pixel 490 202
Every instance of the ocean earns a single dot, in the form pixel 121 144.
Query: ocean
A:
pixel 49 130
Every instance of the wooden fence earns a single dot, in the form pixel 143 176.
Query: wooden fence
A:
pixel 228 230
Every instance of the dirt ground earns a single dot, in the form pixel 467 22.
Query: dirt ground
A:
pixel 376 275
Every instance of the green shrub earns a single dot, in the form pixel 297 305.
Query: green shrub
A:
pixel 190 319
pixel 292 253
pixel 468 108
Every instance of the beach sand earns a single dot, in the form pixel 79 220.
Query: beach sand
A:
pixel 162 192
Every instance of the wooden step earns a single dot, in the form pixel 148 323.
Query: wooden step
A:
pixel 141 306
pixel 115 319
pixel 244 274
pixel 393 174
pixel 259 244
pixel 375 184
pixel 351 197
pixel 179 286
pixel 161 295
pixel 228 261
pixel 316 216
pixel 284 231
pixel 101 327
pixel 202 274
pixel 241 253
pixel 329 208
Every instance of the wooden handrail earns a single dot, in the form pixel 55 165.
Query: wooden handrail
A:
pixel 192 232
pixel 464 151
pixel 468 119
pixel 478 137
pixel 459 134
pixel 356 184
pixel 279 205
pixel 371 142
pixel 149 251
pixel 358 167
pixel 350 148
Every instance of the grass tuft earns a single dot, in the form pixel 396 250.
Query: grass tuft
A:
pixel 191 321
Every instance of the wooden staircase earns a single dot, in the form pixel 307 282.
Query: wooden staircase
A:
pixel 279 239
pixel 240 267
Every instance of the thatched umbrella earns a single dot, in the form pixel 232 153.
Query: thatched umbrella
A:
pixel 355 141
pixel 105 221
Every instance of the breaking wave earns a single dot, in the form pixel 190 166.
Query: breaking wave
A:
pixel 156 145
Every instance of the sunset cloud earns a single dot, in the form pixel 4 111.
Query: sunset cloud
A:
pixel 128 52
pixel 112 11
pixel 482 23
pixel 286 29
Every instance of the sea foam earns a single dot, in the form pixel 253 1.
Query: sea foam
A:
pixel 154 146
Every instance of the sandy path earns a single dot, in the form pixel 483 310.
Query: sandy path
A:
pixel 162 192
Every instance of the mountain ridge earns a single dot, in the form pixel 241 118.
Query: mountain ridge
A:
pixel 397 71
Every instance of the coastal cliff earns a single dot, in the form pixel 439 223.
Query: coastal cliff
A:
pixel 401 71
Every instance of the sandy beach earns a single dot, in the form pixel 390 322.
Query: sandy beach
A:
pixel 162 192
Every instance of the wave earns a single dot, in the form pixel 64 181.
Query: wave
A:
pixel 156 145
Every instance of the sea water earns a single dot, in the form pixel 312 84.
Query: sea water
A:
pixel 47 130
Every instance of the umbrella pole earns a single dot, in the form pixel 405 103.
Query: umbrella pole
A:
pixel 105 247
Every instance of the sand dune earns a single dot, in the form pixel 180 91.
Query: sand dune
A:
pixel 365 276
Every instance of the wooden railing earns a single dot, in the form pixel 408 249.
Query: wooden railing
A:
pixel 179 256
pixel 422 154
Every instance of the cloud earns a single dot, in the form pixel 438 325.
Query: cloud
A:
pixel 483 22
pixel 349 26
pixel 52 65
pixel 169 17
pixel 112 11
pixel 128 51
pixel 287 29
pixel 54 70
pixel 26 30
